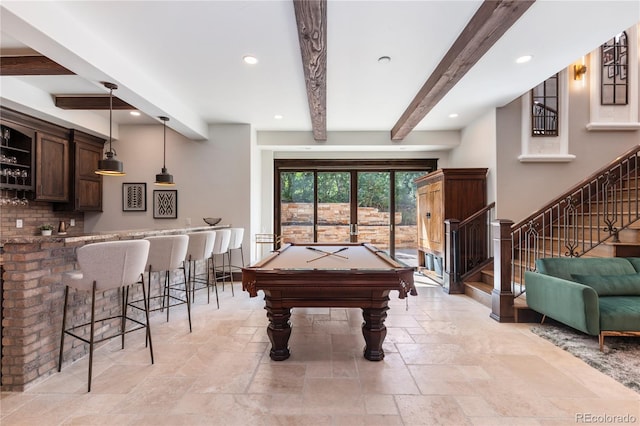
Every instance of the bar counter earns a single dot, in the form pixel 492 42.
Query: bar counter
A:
pixel 33 296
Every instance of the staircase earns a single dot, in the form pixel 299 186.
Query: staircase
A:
pixel 599 217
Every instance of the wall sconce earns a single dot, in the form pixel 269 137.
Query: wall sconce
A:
pixel 579 71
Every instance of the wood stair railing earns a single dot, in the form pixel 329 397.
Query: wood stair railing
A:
pixel 467 247
pixel 572 225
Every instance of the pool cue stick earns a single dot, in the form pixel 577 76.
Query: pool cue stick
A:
pixel 329 252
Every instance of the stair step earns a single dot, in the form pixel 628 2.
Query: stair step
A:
pixel 487 276
pixel 608 249
pixel 525 314
pixel 479 291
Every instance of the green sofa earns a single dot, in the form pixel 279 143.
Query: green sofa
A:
pixel 598 296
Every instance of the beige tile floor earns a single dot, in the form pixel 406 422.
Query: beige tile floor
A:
pixel 447 363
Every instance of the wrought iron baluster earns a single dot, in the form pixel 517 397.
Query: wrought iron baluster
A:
pixel 570 218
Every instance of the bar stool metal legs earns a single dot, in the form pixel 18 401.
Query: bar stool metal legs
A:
pixel 199 250
pixel 91 340
pixel 167 254
pixel 220 248
pixel 109 266
pixel 235 243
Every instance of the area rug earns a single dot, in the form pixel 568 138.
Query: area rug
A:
pixel 619 360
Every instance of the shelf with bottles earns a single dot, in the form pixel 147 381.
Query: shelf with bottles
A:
pixel 14 178
pixel 16 157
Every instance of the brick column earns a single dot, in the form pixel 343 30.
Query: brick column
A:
pixel 33 296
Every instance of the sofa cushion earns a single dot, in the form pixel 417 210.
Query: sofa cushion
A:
pixel 611 285
pixel 563 267
pixel 620 313
pixel 635 261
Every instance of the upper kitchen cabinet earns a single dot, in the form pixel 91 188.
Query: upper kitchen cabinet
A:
pixel 86 188
pixel 52 168
pixel 39 151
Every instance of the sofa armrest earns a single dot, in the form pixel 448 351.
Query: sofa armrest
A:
pixel 568 302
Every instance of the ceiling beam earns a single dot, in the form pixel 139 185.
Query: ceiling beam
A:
pixel 90 102
pixel 311 17
pixel 30 65
pixel 488 24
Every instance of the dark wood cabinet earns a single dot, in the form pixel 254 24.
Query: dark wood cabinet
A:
pixel 56 164
pixel 445 194
pixel 52 168
pixel 86 188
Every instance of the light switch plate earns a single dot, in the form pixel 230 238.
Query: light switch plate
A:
pixel 72 222
pixel 18 223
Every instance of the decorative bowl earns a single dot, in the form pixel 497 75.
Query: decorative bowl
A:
pixel 212 220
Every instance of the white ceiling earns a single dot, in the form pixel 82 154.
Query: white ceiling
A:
pixel 183 59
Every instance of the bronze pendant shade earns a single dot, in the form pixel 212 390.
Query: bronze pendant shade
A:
pixel 110 165
pixel 164 178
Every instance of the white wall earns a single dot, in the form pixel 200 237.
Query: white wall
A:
pixel 478 149
pixel 355 141
pixel 212 178
pixel 522 188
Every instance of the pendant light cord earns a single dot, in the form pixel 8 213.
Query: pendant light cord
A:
pixel 164 150
pixel 110 117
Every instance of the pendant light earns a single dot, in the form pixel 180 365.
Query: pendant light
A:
pixel 164 178
pixel 110 166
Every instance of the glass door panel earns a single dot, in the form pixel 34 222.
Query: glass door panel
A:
pixel 406 233
pixel 334 209
pixel 297 208
pixel 374 216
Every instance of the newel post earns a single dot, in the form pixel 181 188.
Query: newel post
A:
pixel 502 296
pixel 451 281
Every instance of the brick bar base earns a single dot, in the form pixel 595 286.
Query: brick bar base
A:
pixel 33 297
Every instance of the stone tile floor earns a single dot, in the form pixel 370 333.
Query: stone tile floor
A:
pixel 447 363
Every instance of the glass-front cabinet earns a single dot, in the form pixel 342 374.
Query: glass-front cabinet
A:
pixel 16 164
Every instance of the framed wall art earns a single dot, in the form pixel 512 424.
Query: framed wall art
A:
pixel 165 204
pixel 134 197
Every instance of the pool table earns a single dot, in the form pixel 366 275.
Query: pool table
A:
pixel 351 275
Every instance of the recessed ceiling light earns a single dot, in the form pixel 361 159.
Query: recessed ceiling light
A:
pixel 251 60
pixel 524 59
pixel 278 117
pixel 384 59
pixel 135 113
pixel 454 115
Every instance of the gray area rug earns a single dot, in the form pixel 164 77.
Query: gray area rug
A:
pixel 619 360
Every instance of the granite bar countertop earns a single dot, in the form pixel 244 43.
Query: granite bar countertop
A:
pixel 106 235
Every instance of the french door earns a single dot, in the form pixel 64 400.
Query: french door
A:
pixel 350 201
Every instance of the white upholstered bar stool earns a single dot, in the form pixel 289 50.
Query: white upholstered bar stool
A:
pixel 166 254
pixel 106 266
pixel 220 250
pixel 235 243
pixel 199 250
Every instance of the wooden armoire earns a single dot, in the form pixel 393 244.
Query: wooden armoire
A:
pixel 445 194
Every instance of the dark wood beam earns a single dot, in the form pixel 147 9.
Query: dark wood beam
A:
pixel 90 102
pixel 485 28
pixel 31 65
pixel 311 17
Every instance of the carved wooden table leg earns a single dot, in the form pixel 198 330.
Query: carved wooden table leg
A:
pixel 374 332
pixel 279 330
